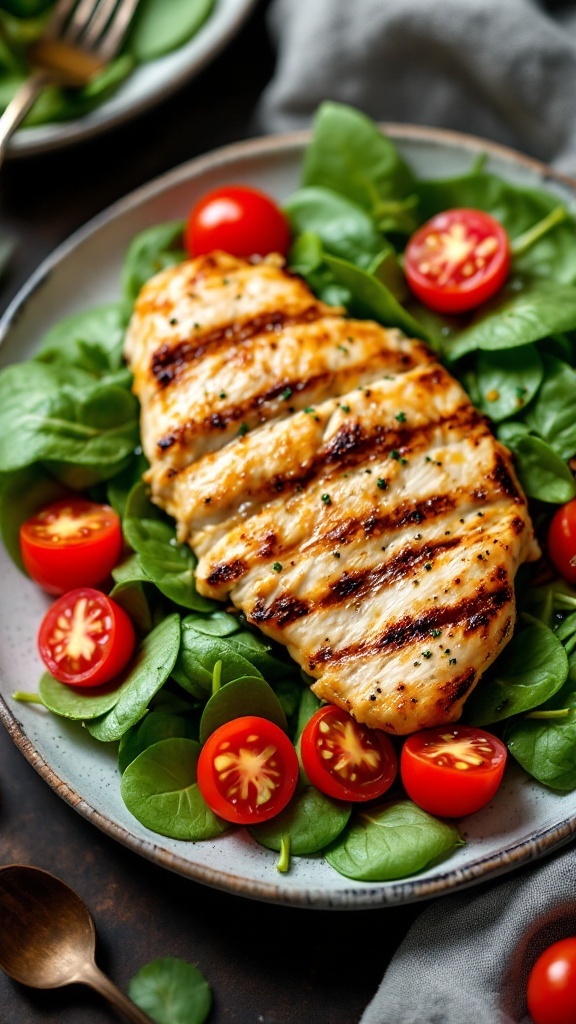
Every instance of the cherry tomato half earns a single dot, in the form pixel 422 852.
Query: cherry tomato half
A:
pixel 247 770
pixel 453 770
pixel 562 541
pixel 85 638
pixel 239 220
pixel 345 759
pixel 71 543
pixel 457 260
pixel 551 992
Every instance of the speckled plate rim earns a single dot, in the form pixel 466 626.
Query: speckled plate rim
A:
pixel 481 869
pixel 148 84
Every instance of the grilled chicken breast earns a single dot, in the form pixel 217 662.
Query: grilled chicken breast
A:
pixel 335 483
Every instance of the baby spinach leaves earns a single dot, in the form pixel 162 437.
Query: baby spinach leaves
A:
pixel 150 251
pixel 311 820
pixel 506 383
pixel 171 991
pixel 155 726
pixel 546 747
pixel 160 789
pixel 75 703
pixel 248 695
pixel 391 841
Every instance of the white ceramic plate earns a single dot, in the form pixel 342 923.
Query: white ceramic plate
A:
pixel 524 822
pixel 147 85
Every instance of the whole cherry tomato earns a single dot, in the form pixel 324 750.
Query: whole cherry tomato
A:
pixel 452 770
pixel 457 260
pixel 239 220
pixel 562 541
pixel 346 759
pixel 551 992
pixel 71 543
pixel 85 638
pixel 247 770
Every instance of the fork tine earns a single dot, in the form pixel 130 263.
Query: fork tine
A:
pixel 79 19
pixel 99 21
pixel 116 30
pixel 59 17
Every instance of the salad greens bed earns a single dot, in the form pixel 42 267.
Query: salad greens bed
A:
pixel 68 419
pixel 159 27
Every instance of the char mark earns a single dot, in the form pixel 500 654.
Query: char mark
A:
pixel 476 612
pixel 368 581
pixel 227 572
pixel 168 360
pixel 281 612
pixel 456 689
pixel 502 478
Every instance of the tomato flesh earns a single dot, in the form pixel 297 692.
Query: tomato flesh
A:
pixel 71 543
pixel 453 770
pixel 247 770
pixel 457 260
pixel 238 220
pixel 551 991
pixel 345 759
pixel 562 541
pixel 85 638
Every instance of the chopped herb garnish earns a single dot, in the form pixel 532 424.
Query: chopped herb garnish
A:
pixel 222 394
pixel 401 417
pixel 336 554
pixel 435 632
pixel 286 394
pixel 309 408
pixel 173 320
pixel 225 280
pixel 326 499
pixel 452 661
pixel 242 429
pixel 277 567
pixel 427 566
pixel 196 327
pixel 426 654
pixel 367 470
pixel 382 483
pixel 345 408
pixel 343 349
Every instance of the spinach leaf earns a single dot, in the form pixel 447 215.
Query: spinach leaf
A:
pixel 168 564
pixel 90 340
pixel 147 672
pixel 391 841
pixel 75 703
pixel 553 413
pixel 546 748
pixel 249 695
pixel 155 726
pixel 507 383
pixel 119 487
pixel 171 991
pixel 542 473
pixel 371 298
pixel 343 227
pixel 150 251
pixel 530 670
pixel 215 624
pixel 23 493
pixel 517 317
pixel 311 820
pixel 160 789
pixel 350 155
pixel 306 257
pixel 198 655
pixel 131 595
pixel 159 28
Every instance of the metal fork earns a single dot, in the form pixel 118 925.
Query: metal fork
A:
pixel 80 39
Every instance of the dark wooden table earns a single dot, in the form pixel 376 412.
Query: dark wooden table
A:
pixel 266 964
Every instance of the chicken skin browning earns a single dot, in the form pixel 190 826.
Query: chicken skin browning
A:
pixel 335 483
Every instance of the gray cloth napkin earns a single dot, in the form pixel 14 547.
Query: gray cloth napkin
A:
pixel 504 70
pixel 501 69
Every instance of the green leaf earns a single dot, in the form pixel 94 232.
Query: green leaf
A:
pixel 148 671
pixel 507 381
pixel 74 702
pixel 198 655
pixel 161 26
pixel 131 595
pixel 553 414
pixel 155 726
pixel 542 473
pixel 23 493
pixel 160 789
pixel 311 819
pixel 171 991
pixel 391 841
pixel 546 748
pixel 343 227
pixel 150 251
pixel 91 340
pixel 248 695
pixel 371 298
pixel 530 670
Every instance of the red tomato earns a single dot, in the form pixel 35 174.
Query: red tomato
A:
pixel 238 220
pixel 453 770
pixel 247 770
pixel 85 638
pixel 562 541
pixel 551 992
pixel 71 543
pixel 457 260
pixel 345 759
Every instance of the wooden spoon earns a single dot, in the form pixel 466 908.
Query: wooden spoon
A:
pixel 48 939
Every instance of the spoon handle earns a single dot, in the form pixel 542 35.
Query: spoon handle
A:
pixel 93 976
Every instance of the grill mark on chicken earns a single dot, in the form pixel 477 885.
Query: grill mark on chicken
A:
pixel 456 689
pixel 168 360
pixel 227 572
pixel 475 611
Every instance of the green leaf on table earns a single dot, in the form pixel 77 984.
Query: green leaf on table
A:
pixel 171 991
pixel 391 841
pixel 160 789
pixel 147 672
pixel 530 670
